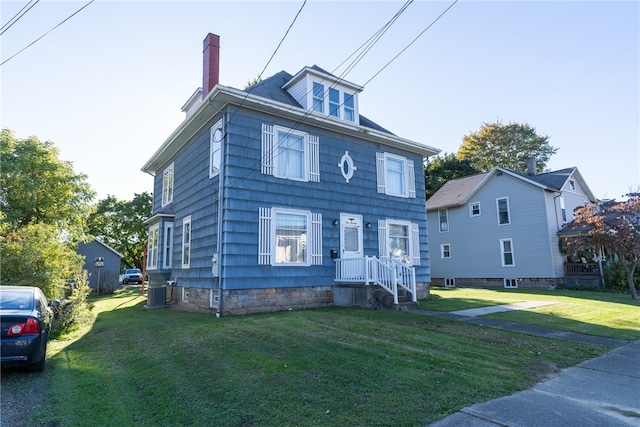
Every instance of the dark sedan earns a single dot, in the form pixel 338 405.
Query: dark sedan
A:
pixel 26 323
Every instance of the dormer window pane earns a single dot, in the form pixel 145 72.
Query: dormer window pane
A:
pixel 334 102
pixel 318 97
pixel 349 108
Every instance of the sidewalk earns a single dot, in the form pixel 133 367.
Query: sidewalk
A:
pixel 604 391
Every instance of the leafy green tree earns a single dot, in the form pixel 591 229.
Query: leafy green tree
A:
pixel 507 146
pixel 37 187
pixel 442 169
pixel 37 255
pixel 120 224
pixel 614 226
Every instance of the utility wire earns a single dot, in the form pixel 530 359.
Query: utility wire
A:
pixel 17 16
pixel 42 36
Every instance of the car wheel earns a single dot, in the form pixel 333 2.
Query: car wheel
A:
pixel 124 282
pixel 37 366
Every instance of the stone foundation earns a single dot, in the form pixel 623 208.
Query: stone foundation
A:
pixel 527 283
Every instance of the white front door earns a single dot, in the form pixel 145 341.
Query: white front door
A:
pixel 352 263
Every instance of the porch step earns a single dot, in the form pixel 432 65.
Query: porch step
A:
pixel 385 299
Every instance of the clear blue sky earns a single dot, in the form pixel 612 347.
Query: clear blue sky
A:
pixel 107 86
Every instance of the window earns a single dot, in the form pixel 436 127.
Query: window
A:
pixel 474 209
pixel 186 242
pixel 445 250
pixel 449 283
pixel 572 185
pixel 399 240
pixel 510 283
pixel 506 249
pixel 563 210
pixel 334 102
pixel 503 211
pixel 349 108
pixel 289 237
pixel 290 154
pixel 318 97
pixel 167 185
pixel 215 148
pixel 395 175
pixel 152 247
pixel 443 220
pixel 168 245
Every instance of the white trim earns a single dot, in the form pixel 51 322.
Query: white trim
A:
pixel 267 237
pixel 167 244
pixel 168 175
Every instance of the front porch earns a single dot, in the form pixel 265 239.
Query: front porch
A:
pixel 371 282
pixel 582 274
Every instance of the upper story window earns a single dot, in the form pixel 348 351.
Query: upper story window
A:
pixel 443 220
pixel 445 250
pixel 563 210
pixel 289 237
pixel 318 97
pixel 334 102
pixel 215 148
pixel 395 175
pixel 572 185
pixel 290 154
pixel 167 185
pixel 504 218
pixel 474 209
pixel 349 107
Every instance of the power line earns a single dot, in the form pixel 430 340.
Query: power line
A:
pixel 42 36
pixel 17 16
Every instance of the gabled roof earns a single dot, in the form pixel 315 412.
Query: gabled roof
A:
pixel 457 192
pixel 100 242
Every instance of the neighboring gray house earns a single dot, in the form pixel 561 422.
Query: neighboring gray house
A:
pixel 110 273
pixel 283 196
pixel 500 228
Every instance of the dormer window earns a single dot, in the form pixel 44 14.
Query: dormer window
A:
pixel 323 93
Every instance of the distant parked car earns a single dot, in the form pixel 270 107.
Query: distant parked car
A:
pixel 132 275
pixel 26 324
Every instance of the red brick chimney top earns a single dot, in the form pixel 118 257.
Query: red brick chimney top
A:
pixel 211 63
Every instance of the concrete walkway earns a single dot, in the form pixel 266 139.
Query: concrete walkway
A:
pixel 601 392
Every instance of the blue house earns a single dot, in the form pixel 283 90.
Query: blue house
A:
pixel 109 272
pixel 500 229
pixel 282 196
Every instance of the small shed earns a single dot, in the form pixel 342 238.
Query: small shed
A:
pixel 110 272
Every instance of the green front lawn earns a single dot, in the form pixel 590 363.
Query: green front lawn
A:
pixel 317 367
pixel 607 314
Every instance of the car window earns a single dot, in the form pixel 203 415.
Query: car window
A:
pixel 15 300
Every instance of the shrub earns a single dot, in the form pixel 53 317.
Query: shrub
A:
pixel 74 311
pixel 615 277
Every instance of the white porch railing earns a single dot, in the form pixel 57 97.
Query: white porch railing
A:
pixel 389 274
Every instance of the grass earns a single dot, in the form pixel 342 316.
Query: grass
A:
pixel 319 367
pixel 613 315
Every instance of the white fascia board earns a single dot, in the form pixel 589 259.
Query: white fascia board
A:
pixel 221 96
pixel 323 76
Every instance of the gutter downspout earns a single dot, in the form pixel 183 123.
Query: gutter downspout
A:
pixel 221 176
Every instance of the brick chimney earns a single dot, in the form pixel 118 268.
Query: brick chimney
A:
pixel 211 63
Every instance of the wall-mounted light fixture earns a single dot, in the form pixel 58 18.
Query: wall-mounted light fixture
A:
pixel 335 222
pixel 368 225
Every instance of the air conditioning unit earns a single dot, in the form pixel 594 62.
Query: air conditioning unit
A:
pixel 157 296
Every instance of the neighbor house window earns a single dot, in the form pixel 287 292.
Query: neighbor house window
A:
pixel 443 220
pixel 290 154
pixel 399 240
pixel 318 97
pixel 506 250
pixel 167 185
pixel 474 209
pixel 510 283
pixel 395 175
pixel 449 283
pixel 572 185
pixel 563 210
pixel 289 237
pixel 503 211
pixel 167 245
pixel 445 250
pixel 186 242
pixel 215 148
pixel 152 247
